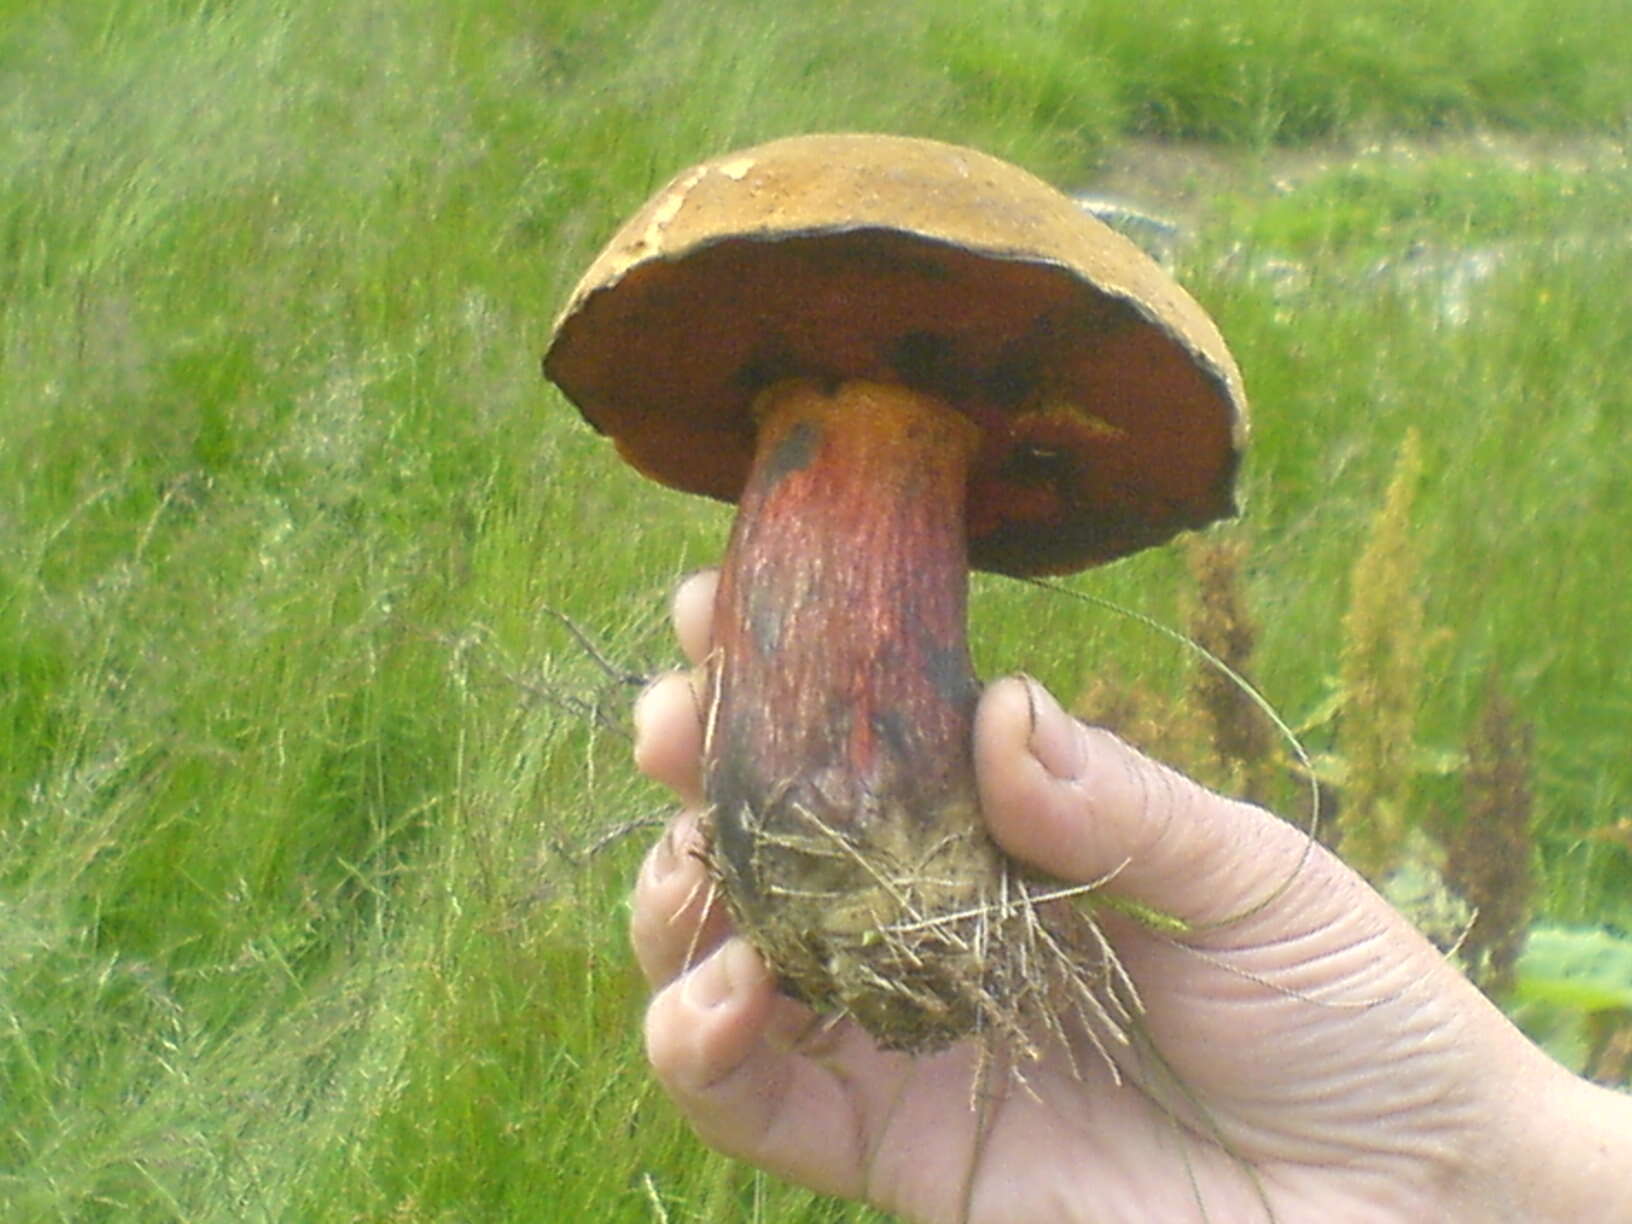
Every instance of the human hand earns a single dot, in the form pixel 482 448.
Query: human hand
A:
pixel 1304 1054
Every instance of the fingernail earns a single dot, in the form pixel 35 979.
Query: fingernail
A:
pixel 692 604
pixel 721 975
pixel 687 578
pixel 664 856
pixel 642 700
pixel 1056 740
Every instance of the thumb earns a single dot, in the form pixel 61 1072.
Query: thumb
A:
pixel 1078 803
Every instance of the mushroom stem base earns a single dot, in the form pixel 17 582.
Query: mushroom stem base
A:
pixel 845 828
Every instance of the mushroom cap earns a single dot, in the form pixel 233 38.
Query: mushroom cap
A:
pixel 1113 414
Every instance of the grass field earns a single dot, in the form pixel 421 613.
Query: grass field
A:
pixel 303 915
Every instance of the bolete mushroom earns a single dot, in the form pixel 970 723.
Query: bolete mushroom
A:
pixel 900 358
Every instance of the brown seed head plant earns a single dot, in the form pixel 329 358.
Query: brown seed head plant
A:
pixel 1221 625
pixel 1489 852
pixel 1384 648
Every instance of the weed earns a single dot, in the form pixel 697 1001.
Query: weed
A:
pixel 1384 648
pixel 1221 624
pixel 1489 851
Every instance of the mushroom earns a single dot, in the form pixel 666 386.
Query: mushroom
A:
pixel 901 359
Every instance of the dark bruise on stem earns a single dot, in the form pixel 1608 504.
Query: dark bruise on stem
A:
pixel 838 758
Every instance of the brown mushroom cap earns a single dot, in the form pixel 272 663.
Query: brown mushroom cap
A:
pixel 1113 413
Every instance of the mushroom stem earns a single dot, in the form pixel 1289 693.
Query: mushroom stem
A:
pixel 838 758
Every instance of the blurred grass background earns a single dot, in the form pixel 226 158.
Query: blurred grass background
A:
pixel 298 918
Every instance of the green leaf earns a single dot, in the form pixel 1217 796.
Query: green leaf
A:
pixel 1585 969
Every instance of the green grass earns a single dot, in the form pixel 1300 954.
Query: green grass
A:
pixel 1379 207
pixel 294 768
pixel 1265 73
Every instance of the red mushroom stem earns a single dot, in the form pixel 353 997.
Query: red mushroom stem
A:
pixel 838 765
